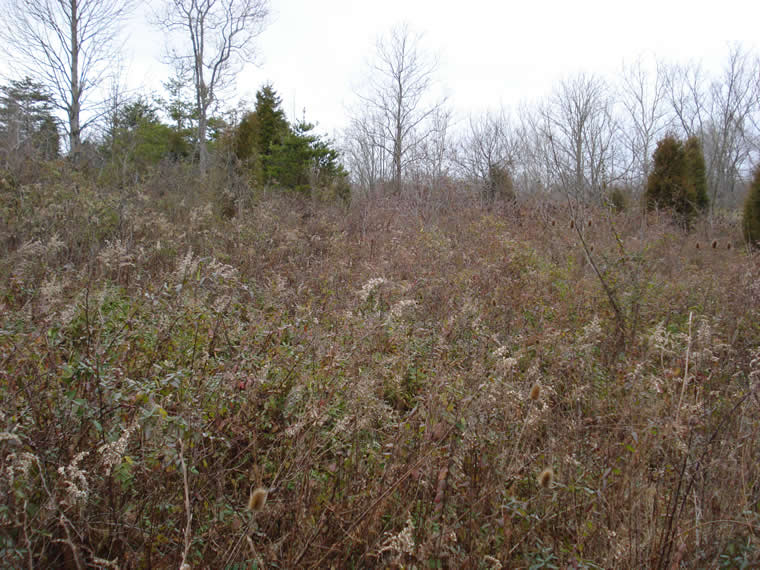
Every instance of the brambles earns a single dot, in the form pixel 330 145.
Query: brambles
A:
pixel 402 386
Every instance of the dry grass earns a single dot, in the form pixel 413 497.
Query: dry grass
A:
pixel 376 373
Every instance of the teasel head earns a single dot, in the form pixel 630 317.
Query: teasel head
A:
pixel 546 478
pixel 258 499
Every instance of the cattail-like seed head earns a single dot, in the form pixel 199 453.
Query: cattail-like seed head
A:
pixel 572 224
pixel 697 245
pixel 258 499
pixel 535 392
pixel 715 244
pixel 546 478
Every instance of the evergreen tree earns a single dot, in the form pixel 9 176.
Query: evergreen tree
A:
pixel 183 114
pixel 697 171
pixel 292 157
pixel 259 132
pixel 303 160
pixel 671 184
pixel 245 145
pixel 27 124
pixel 751 219
pixel 271 124
pixel 137 140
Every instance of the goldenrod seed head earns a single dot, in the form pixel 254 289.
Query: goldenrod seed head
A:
pixel 258 499
pixel 535 392
pixel 546 478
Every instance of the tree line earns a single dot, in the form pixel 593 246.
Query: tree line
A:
pixel 659 135
pixel 592 139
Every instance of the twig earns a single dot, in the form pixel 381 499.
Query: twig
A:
pixel 186 551
pixel 685 370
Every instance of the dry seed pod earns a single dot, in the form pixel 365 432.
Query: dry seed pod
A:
pixel 535 392
pixel 258 499
pixel 546 478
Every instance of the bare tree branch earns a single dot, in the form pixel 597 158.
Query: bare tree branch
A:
pixel 401 81
pixel 67 45
pixel 218 34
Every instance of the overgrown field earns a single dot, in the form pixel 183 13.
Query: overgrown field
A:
pixel 398 378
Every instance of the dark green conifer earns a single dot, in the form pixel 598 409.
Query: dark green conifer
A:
pixel 696 169
pixel 751 218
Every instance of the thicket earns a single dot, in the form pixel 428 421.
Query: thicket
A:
pixel 438 391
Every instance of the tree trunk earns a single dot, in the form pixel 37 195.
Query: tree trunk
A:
pixel 202 148
pixel 75 102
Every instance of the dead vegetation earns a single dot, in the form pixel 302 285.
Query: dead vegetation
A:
pixel 304 385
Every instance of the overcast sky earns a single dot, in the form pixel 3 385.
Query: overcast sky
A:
pixel 491 53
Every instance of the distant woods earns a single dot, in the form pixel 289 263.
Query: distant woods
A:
pixel 662 135
pixel 657 135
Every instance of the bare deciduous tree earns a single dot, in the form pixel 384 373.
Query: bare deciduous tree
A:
pixel 643 95
pixel 577 130
pixel 67 45
pixel 400 85
pixel 489 146
pixel 726 138
pixel 364 152
pixel 721 113
pixel 219 34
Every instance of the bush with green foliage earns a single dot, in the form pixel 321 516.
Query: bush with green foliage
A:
pixel 137 140
pixel 500 185
pixel 677 181
pixel 751 219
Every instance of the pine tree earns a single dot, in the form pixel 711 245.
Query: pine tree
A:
pixel 304 160
pixel 27 124
pixel 272 126
pixel 751 221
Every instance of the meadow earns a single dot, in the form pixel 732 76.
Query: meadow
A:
pixel 288 383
